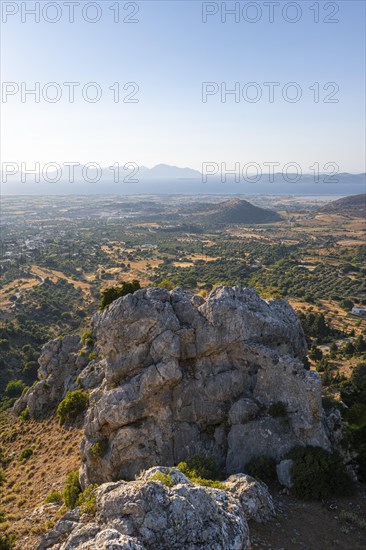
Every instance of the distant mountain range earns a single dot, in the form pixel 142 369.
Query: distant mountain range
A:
pixel 166 179
pixel 354 206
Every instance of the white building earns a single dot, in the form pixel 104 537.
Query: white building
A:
pixel 359 311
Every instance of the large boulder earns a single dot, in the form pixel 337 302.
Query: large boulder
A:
pixel 186 376
pixel 147 515
pixel 254 497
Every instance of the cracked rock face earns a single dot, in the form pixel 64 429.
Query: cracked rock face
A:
pixel 186 376
pixel 62 367
pixel 147 515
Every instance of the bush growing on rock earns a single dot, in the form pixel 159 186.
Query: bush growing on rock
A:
pixel 199 466
pixel 262 468
pixel 24 415
pixel 87 500
pixel 74 404
pixel 99 448
pixel 201 470
pixel 112 293
pixel 317 474
pixel 166 479
pixel 72 489
pixel 87 338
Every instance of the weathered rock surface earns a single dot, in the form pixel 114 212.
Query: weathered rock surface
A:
pixel 60 365
pixel 253 495
pixel 181 376
pixel 186 376
pixel 284 472
pixel 147 515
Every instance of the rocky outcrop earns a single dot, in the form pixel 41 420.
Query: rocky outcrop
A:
pixel 63 365
pixel 187 376
pixel 147 515
pixel 180 375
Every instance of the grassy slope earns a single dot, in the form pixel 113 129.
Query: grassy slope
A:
pixel 55 452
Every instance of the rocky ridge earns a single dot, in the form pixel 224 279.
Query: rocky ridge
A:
pixel 180 375
pixel 177 375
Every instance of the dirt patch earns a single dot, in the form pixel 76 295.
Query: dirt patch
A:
pixel 312 525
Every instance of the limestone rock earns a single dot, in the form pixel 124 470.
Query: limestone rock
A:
pixel 147 515
pixel 284 472
pixel 243 410
pixel 253 495
pixel 60 365
pixel 187 376
pixel 180 375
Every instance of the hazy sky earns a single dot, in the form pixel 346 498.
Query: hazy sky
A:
pixel 169 53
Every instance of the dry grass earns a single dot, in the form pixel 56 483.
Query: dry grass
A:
pixel 55 452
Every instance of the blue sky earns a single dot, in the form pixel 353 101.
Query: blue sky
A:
pixel 169 53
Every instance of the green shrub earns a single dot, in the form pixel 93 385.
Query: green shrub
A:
pixel 14 388
pixel 87 338
pixel 262 468
pixel 167 284
pixel 72 489
pixel 278 409
pixel 99 448
pixel 358 377
pixel 24 415
pixel 55 498
pixel 213 483
pixel 356 415
pixel 166 479
pixel 2 516
pixel 199 466
pixel 4 459
pixel 201 470
pixel 25 454
pixel 75 403
pixel 316 353
pixel 87 500
pixel 347 304
pixel 93 355
pixel 109 295
pixel 2 477
pixel 317 474
pixel 7 542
